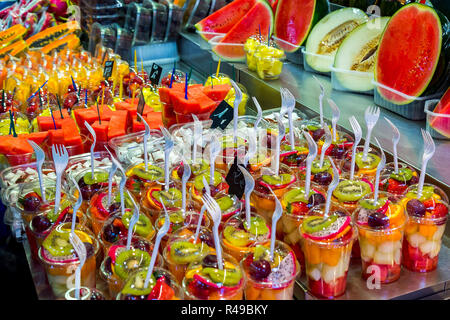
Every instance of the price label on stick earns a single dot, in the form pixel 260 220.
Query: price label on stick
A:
pixel 236 180
pixel 155 74
pixel 222 115
pixel 140 106
pixel 107 71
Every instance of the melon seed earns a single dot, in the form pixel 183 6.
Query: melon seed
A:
pixel 334 38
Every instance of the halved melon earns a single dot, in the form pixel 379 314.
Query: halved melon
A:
pixel 408 53
pixel 442 124
pixel 328 34
pixel 357 55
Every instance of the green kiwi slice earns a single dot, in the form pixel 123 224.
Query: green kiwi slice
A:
pixel 58 244
pixel 263 253
pixel 279 180
pixel 315 166
pixel 227 277
pixel 316 224
pixel 99 176
pixel 49 193
pixel 184 252
pixel 143 226
pixel 427 193
pixel 198 168
pixel 153 173
pixel 198 181
pixel 371 205
pixel 136 284
pixel 351 190
pixel 237 237
pixel 129 260
pixel 257 226
pixel 127 200
pixel 296 195
pixel 404 174
pixel 171 198
pixel 371 162
pixel 225 203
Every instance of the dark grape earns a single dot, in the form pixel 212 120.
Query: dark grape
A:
pixel 348 166
pixel 316 199
pixel 338 152
pixel 114 207
pixel 317 134
pixel 89 249
pixel 108 263
pixel 210 261
pixel 259 269
pixel 111 233
pixel 141 245
pixel 207 238
pixel 414 180
pixel 31 203
pixel 378 220
pixel 323 178
pixel 415 208
pixel 40 223
pixel 97 295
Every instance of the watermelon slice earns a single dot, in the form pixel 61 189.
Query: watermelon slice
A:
pixel 218 92
pixel 117 126
pixel 70 132
pixel 37 137
pixel 224 19
pixel 105 112
pixel 294 19
pixel 408 53
pixel 154 120
pixel 231 46
pixel 82 115
pixel 101 130
pixel 181 105
pixel 21 146
pixel 55 137
pixel 46 123
pixel 442 123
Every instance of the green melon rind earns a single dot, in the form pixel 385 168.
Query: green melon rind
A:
pixel 420 6
pixel 321 29
pixel 320 11
pixel 237 59
pixel 359 37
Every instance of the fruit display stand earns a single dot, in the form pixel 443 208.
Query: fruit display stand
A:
pixel 411 285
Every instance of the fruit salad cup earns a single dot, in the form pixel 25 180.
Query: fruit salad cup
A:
pixel 269 61
pixel 205 281
pixel 154 196
pixel 89 185
pixel 25 173
pixel 139 179
pixel 197 190
pixel 162 286
pixel 349 192
pixel 366 168
pixel 327 245
pixel 262 199
pixel 116 228
pixel 320 175
pixel 250 47
pixel 338 147
pixel 183 248
pixel 238 238
pixel 85 294
pixel 201 166
pixel 425 228
pixel 380 232
pixel 229 151
pixel 313 127
pixel 397 183
pixel 120 262
pixel 295 209
pixel 60 261
pixel 270 279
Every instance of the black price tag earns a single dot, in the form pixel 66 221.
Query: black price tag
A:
pixel 222 116
pixel 140 106
pixel 236 180
pixel 107 71
pixel 155 74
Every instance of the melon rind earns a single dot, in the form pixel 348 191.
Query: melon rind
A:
pixel 348 50
pixel 443 107
pixel 388 95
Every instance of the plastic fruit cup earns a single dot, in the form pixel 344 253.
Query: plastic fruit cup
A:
pixel 265 287
pixel 168 115
pixel 362 184
pixel 363 168
pixel 398 183
pixel 136 185
pixel 177 264
pixel 195 289
pixel 9 160
pixel 381 247
pixel 187 117
pixel 424 231
pixel 153 208
pixel 250 47
pixel 327 265
pixel 85 294
pixel 61 273
pixel 136 281
pixel 338 148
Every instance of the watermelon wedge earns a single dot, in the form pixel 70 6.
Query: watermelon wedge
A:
pixel 218 92
pixel 441 121
pixel 117 126
pixel 154 120
pixel 223 19
pixel 45 123
pixel 101 130
pixel 231 46
pixel 55 137
pixel 37 137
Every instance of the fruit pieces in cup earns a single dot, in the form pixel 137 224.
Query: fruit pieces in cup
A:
pixel 425 228
pixel 349 192
pixel 138 178
pixel 197 168
pixel 89 185
pixel 380 232
pixel 119 262
pixel 270 278
pixel 205 281
pixel 327 245
pixel 250 46
pixel 60 260
pixel 339 147
pixel 85 294
pixel 362 168
pixel 237 237
pixel 155 195
pixel 198 189
pixel 397 183
pixel 322 176
pixel 183 248
pixel 269 61
pixel 162 286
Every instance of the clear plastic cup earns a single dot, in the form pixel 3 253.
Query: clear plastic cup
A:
pixel 26 173
pixel 269 61
pixel 397 183
pixel 85 294
pixel 139 179
pixel 362 168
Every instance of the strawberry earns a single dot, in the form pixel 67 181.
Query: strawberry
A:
pixel 430 204
pixel 440 210
pixel 298 208
pixel 161 290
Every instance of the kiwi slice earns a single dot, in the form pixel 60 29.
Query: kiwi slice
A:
pixel 351 190
pixel 225 203
pixel 404 174
pixel 371 205
pixel 198 168
pixel 174 217
pixel 237 237
pixel 315 166
pixel 371 162
pixel 99 176
pixel 427 193
pixel 257 226
pixel 153 173
pixel 198 181
pixel 130 260
pixel 296 195
pixel 170 198
pixel 282 179
pixel 58 244
pixel 263 253
pixel 136 284
pixel 184 252
pixel 315 224
pixel 143 226
pixel 49 193
pixel 227 277
pixel 52 216
pixel 127 200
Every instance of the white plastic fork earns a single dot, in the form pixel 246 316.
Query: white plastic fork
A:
pixel 371 116
pixel 321 96
pixel 122 181
pixel 198 128
pixel 80 249
pixel 428 152
pixel 161 233
pixel 60 159
pixel 184 179
pixel 358 135
pixel 275 217
pixel 259 113
pixel 281 134
pixel 326 144
pixel 145 140
pixel 331 188
pixel 248 189
pixel 133 221
pixel 94 138
pixel 251 147
pixel 40 158
pixel 216 215
pixel 312 147
pixel 380 167
pixel 289 100
pixel 237 102
pixel 395 141
pixel 77 204
pixel 213 153
pixel 336 113
pixel 167 149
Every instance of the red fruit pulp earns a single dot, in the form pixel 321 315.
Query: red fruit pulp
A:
pixel 324 290
pixel 414 260
pixel 388 273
